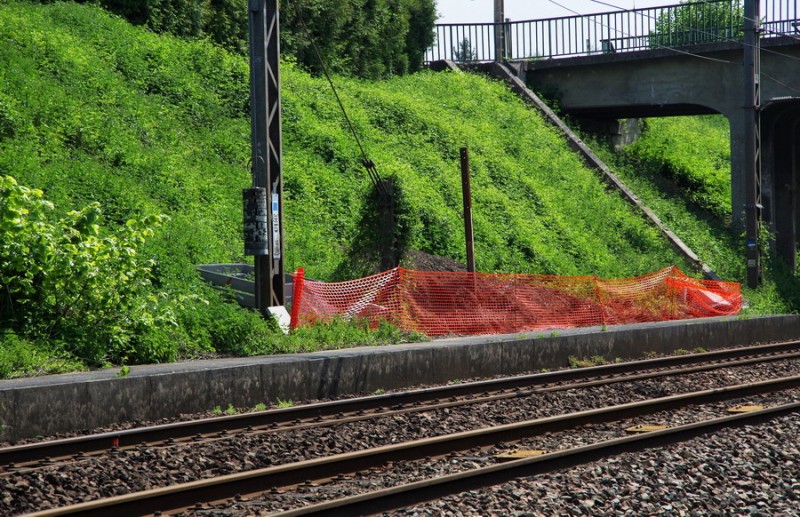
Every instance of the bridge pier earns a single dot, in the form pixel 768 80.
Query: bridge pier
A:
pixel 781 183
pixel 737 118
pixel 617 132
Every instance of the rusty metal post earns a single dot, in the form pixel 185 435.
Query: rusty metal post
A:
pixel 265 104
pixel 752 139
pixel 389 254
pixel 499 31
pixel 466 193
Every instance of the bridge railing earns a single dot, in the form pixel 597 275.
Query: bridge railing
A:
pixel 693 23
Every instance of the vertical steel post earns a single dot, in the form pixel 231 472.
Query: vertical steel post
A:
pixel 265 105
pixel 466 194
pixel 752 138
pixel 499 31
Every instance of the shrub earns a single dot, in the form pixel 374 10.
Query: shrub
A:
pixel 226 328
pixel 70 280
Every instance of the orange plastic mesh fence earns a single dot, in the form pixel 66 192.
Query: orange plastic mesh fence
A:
pixel 439 303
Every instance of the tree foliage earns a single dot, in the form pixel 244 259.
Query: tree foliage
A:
pixel 464 52
pixel 365 38
pixel 699 22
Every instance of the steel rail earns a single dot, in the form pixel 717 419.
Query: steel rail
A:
pixel 504 395
pixel 257 481
pixel 410 494
pixel 27 453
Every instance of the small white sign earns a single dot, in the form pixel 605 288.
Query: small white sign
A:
pixel 276 227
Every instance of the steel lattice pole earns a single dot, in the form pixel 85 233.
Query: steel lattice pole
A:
pixel 266 144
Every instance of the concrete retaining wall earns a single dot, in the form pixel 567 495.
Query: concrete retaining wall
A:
pixel 62 403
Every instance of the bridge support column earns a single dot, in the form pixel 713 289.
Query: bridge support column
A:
pixel 618 132
pixel 738 186
pixel 781 183
pixel 784 192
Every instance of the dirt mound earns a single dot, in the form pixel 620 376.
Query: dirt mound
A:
pixel 421 261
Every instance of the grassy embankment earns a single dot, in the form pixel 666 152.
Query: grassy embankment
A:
pixel 95 110
pixel 681 169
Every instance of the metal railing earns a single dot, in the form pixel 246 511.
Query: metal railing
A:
pixel 693 23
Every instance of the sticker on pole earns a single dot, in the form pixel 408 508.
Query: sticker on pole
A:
pixel 276 228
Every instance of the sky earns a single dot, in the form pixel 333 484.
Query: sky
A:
pixel 477 11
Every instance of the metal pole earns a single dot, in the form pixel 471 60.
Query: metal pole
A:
pixel 752 139
pixel 466 193
pixel 266 144
pixel 499 31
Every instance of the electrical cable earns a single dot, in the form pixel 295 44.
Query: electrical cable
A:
pixel 767 50
pixel 743 44
pixel 673 49
pixel 368 164
pixel 609 5
pixel 700 31
pixel 781 83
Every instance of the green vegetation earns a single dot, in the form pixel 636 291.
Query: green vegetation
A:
pixel 230 410
pixel 699 166
pixel 129 151
pixel 105 127
pixel 285 404
pixel 699 22
pixel 681 169
pixel 366 38
pixel 595 360
pixel 648 166
pixel 537 208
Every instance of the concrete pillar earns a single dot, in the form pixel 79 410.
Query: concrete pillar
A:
pixel 618 132
pixel 780 178
pixel 738 186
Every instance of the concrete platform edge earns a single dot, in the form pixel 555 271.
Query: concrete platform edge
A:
pixel 57 404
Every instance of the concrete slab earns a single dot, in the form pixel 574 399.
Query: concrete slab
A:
pixel 62 403
pixel 117 400
pixel 45 412
pixel 7 416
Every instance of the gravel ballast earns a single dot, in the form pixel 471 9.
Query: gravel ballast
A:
pixel 148 467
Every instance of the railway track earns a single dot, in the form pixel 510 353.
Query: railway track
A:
pixel 327 470
pixel 403 496
pixel 47 453
pixel 237 487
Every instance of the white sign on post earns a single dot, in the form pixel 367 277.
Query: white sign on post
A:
pixel 276 228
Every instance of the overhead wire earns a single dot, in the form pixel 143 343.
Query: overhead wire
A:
pixel 761 26
pixel 700 31
pixel 781 83
pixel 368 164
pixel 739 42
pixel 624 34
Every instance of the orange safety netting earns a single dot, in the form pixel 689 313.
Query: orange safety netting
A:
pixel 439 303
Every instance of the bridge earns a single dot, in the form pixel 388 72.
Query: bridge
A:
pixel 686 59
